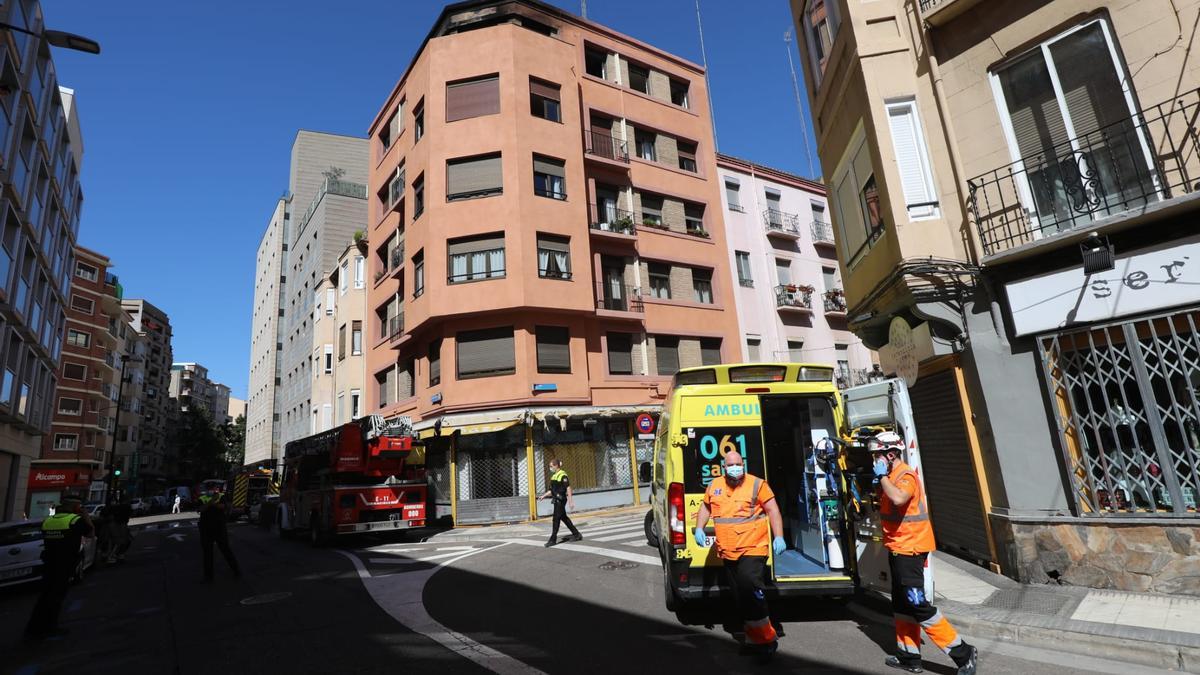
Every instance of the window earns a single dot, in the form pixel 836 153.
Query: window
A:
pixel 553 349
pixel 859 213
pixel 596 63
pixel 475 258
pixel 473 98
pixel 818 211
pixel 386 384
pixel 710 351
pixel 821 21
pixel 693 219
pixel 829 275
pixel 360 271
pixel 843 364
pixel 912 159
pixel 77 338
pixel 65 441
pixel 702 285
pixel 485 353
pixel 329 301
pixel 620 354
pixel 74 371
pixel 544 101
pixel 795 350
pixel 473 177
pixel 660 281
pixel 679 93
pixel 419 121
pixel 645 145
pixel 435 362
pixel 70 406
pixel 328 359
pixel 783 271
pixel 742 258
pixel 652 211
pixel 418 196
pixel 754 350
pixel 391 132
pixel 639 79
pixel 344 278
pixel 82 304
pixel 86 272
pixel 418 265
pixel 341 408
pixel 554 256
pixel 666 351
pixel 326 415
pixel 687 156
pixel 341 342
pixel 549 177
pixel 732 196
pixel 355 404
pixel 356 338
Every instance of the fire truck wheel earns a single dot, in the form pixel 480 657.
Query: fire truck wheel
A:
pixel 316 533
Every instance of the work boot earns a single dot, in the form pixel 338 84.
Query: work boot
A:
pixel 907 665
pixel 551 543
pixel 765 652
pixel 968 666
pixel 575 537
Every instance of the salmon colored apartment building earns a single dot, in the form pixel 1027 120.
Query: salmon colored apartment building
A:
pixel 546 250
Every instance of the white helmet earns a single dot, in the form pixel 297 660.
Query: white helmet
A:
pixel 886 441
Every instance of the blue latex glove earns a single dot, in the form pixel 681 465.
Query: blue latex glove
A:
pixel 700 536
pixel 880 467
pixel 779 545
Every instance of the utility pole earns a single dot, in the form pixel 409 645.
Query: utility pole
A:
pixel 787 41
pixel 712 113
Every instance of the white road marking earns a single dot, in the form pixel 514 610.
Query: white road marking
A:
pixel 393 561
pixel 595 550
pixel 400 595
pixel 455 548
pixel 610 527
pixel 623 535
pixel 636 544
pixel 394 548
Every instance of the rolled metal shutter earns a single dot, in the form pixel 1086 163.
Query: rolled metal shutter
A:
pixel 955 507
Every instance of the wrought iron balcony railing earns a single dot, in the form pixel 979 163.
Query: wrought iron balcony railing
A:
pixel 794 297
pixel 618 298
pixel 781 222
pixel 610 219
pixel 395 326
pixel 604 144
pixel 835 301
pixel 1151 156
pixel 822 233
pixel 397 256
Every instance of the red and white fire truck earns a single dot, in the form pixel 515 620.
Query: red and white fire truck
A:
pixel 353 478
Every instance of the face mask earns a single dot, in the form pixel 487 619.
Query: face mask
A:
pixel 735 471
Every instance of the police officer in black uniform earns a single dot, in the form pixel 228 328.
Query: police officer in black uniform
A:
pixel 560 491
pixel 62 538
pixel 213 531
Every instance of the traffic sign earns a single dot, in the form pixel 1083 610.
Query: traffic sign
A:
pixel 644 424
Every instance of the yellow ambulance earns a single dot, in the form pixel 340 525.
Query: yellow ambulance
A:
pixel 773 414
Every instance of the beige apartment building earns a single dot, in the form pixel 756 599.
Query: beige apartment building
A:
pixel 1012 188
pixel 156 459
pixel 547 250
pixel 339 364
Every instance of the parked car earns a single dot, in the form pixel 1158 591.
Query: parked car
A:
pixel 140 506
pixel 21 553
pixel 94 509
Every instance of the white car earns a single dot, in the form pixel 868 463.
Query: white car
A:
pixel 140 506
pixel 21 553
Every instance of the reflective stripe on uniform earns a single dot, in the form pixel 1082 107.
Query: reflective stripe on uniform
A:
pixel 754 493
pixel 59 522
pixel 735 521
pixel 760 631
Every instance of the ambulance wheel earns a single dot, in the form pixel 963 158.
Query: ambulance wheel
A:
pixel 651 530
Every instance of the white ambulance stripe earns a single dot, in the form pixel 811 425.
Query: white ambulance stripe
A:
pixel 624 535
pixel 594 550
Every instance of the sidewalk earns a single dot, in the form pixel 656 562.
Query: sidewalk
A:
pixel 540 527
pixel 1144 628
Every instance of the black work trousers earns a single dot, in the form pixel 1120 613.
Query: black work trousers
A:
pixel 220 537
pixel 56 580
pixel 560 516
pixel 747 580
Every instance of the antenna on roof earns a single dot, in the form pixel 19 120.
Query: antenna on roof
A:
pixel 712 113
pixel 787 41
pixel 583 8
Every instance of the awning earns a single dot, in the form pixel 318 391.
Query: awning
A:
pixel 602 412
pixel 470 423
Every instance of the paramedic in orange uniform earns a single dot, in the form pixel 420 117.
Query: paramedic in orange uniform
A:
pixel 908 535
pixel 741 506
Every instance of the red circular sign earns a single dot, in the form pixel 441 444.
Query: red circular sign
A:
pixel 645 424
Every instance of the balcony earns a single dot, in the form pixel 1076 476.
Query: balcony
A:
pixel 940 12
pixel 1125 166
pixel 604 145
pixel 395 327
pixel 822 234
pixel 781 224
pixel 612 221
pixel 396 259
pixel 835 303
pixel 619 301
pixel 793 298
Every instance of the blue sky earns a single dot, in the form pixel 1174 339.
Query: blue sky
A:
pixel 189 114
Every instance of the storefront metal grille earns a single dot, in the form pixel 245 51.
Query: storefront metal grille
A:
pixel 1124 398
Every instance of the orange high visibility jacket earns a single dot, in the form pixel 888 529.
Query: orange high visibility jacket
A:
pixel 738 516
pixel 906 529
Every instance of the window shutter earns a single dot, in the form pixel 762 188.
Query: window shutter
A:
pixel 910 159
pixel 473 98
pixel 620 354
pixel 544 89
pixel 687 150
pixel 476 244
pixel 667 350
pixel 552 167
pixel 435 361
pixel 753 350
pixel 652 206
pixel 472 175
pixel 486 352
pixel 710 351
pixel 552 242
pixel 731 194
pixel 553 349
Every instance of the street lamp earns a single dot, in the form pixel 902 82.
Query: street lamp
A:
pixel 58 38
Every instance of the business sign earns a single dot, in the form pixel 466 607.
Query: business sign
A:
pixel 904 350
pixel 540 388
pixel 48 478
pixel 1148 280
pixel 645 427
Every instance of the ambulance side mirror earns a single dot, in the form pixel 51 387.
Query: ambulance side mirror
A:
pixel 645 473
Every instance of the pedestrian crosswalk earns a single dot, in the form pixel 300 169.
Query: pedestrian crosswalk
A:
pixel 628 532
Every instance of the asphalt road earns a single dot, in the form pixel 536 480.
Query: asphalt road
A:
pixel 443 607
